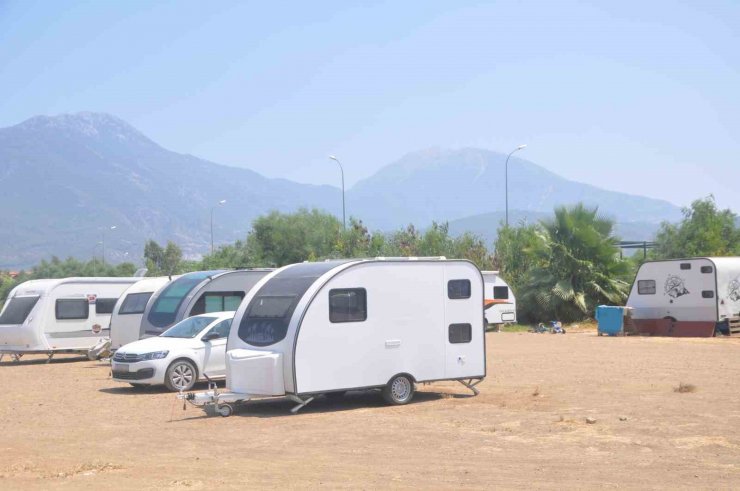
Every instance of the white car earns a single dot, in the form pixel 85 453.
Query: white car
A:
pixel 180 356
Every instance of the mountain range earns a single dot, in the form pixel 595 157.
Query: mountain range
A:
pixel 66 180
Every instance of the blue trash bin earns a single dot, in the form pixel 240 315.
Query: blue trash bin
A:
pixel 610 319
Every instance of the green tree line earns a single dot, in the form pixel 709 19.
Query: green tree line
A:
pixel 560 268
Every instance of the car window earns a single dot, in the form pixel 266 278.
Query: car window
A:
pixel 222 328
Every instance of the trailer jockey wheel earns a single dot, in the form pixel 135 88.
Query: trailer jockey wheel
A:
pixel 225 410
pixel 399 390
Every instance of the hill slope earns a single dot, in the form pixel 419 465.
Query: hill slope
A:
pixel 452 184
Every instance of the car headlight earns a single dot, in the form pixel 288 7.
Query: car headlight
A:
pixel 156 355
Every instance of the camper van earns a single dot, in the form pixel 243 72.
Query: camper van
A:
pixel 499 301
pixel 196 293
pixel 59 316
pixel 329 327
pixel 694 297
pixel 125 322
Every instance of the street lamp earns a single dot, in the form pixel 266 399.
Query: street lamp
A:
pixel 220 203
pixel 506 180
pixel 344 218
pixel 113 227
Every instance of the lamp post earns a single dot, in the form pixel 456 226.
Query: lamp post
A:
pixel 506 180
pixel 220 203
pixel 341 169
pixel 112 227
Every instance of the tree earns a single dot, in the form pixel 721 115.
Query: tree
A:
pixel 704 231
pixel 512 252
pixel 575 266
pixel 162 261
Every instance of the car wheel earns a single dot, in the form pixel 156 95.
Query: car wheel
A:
pixel 399 390
pixel 181 376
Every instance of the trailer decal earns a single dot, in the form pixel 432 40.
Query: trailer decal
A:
pixel 733 289
pixel 675 286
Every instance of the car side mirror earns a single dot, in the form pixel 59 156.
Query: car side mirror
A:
pixel 211 336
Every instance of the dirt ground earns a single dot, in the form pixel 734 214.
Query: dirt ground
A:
pixel 66 425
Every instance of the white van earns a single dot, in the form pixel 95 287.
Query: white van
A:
pixel 66 315
pixel 125 322
pixel 329 327
pixel 694 297
pixel 499 302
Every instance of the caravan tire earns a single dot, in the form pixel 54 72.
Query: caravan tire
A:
pixel 181 375
pixel 399 390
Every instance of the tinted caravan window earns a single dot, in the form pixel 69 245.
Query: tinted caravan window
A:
pixel 646 287
pixel 707 294
pixel 135 303
pixel 105 305
pixel 17 309
pixel 68 308
pixel 268 315
pixel 217 302
pixel 458 289
pixel 460 333
pixel 685 266
pixel 164 310
pixel 707 269
pixel 347 305
pixel 501 292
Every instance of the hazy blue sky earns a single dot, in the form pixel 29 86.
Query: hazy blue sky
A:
pixel 635 96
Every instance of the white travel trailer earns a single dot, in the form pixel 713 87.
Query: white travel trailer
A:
pixel 196 293
pixel 125 322
pixel 499 301
pixel 330 327
pixel 66 315
pixel 694 297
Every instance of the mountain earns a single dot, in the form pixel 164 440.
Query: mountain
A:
pixel 453 184
pixel 65 180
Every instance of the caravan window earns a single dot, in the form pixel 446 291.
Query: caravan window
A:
pixel 707 294
pixel 460 333
pixel 105 305
pixel 457 289
pixel 347 305
pixel 707 269
pixel 501 292
pixel 164 310
pixel 135 303
pixel 217 302
pixel 68 308
pixel 267 320
pixel 17 309
pixel 685 266
pixel 646 287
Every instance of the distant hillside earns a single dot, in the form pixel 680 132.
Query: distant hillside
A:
pixel 486 225
pixel 452 184
pixel 66 179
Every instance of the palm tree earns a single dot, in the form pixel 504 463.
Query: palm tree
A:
pixel 577 267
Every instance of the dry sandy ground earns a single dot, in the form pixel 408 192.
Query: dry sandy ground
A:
pixel 67 425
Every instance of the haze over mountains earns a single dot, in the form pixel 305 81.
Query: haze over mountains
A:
pixel 64 180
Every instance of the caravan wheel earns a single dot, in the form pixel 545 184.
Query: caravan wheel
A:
pixel 399 390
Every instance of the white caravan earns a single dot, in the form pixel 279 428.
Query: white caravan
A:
pixel 330 327
pixel 66 315
pixel 125 322
pixel 197 293
pixel 499 302
pixel 687 297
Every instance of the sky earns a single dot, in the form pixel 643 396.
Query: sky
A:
pixel 634 96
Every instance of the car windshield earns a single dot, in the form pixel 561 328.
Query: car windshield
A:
pixel 188 328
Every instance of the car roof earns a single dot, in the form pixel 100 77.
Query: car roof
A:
pixel 220 315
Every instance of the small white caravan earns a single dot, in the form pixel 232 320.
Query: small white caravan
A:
pixel 693 297
pixel 499 301
pixel 330 327
pixel 59 316
pixel 125 322
pixel 197 293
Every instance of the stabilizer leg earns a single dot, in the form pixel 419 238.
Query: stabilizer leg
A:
pixel 301 403
pixel 470 384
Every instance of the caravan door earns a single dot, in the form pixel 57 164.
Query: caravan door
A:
pixel 463 328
